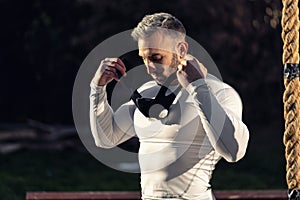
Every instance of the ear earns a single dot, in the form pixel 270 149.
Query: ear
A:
pixel 182 49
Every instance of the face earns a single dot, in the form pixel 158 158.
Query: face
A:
pixel 159 56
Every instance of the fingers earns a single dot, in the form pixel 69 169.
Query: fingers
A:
pixel 117 64
pixel 182 65
pixel 109 69
pixel 192 67
pixel 188 60
pixel 113 67
pixel 190 70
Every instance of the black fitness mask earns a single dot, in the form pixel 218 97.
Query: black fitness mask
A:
pixel 159 106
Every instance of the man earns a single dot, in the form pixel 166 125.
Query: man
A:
pixel 186 119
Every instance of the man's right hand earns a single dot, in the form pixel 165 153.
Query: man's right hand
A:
pixel 107 71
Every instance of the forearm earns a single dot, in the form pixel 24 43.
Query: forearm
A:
pixel 222 122
pixel 105 130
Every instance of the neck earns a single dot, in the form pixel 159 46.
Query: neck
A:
pixel 171 80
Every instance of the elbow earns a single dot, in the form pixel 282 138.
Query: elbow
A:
pixel 101 138
pixel 232 153
pixel 232 158
pixel 103 145
pixel 240 151
pixel 102 141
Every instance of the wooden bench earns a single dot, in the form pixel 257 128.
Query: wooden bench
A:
pixel 220 195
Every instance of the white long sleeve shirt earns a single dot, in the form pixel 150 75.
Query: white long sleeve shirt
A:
pixel 177 154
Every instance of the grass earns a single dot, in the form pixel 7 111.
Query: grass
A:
pixel 59 171
pixel 73 171
pixel 263 167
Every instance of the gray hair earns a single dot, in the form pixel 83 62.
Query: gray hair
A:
pixel 159 21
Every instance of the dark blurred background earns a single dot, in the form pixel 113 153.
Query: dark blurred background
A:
pixel 44 42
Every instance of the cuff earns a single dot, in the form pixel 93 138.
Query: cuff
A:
pixel 191 88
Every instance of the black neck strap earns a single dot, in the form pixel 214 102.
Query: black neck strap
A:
pixel 161 103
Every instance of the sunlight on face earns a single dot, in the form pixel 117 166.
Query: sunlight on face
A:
pixel 159 56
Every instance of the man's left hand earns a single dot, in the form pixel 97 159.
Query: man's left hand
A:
pixel 190 70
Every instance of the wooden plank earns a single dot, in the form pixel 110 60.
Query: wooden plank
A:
pixel 252 194
pixel 82 195
pixel 220 195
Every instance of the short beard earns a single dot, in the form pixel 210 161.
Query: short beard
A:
pixel 174 65
pixel 175 62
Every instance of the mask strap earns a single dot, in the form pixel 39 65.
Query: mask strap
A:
pixel 161 98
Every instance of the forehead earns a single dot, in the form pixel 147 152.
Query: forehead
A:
pixel 157 42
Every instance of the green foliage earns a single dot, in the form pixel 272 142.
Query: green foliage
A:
pixel 59 171
pixel 74 171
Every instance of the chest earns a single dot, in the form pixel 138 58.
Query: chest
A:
pixel 182 118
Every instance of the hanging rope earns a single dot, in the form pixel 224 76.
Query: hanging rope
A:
pixel 290 58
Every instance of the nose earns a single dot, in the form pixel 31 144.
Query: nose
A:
pixel 150 66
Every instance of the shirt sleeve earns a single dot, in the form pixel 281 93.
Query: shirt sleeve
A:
pixel 109 128
pixel 221 115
